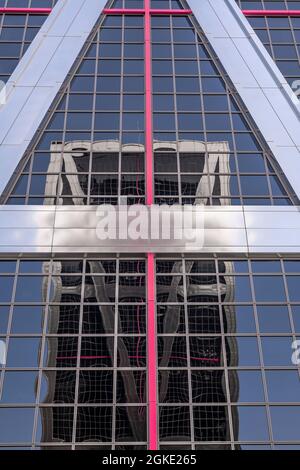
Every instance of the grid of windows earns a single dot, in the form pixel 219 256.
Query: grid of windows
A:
pixel 104 104
pixel 225 330
pixel 130 4
pixel 281 37
pixel 16 34
pixel 27 3
pixel 269 4
pixel 76 352
pixel 194 106
pixel 75 330
pixel 206 149
pixel 154 4
pixel 75 373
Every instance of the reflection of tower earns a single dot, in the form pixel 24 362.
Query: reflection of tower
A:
pixel 205 351
pixel 208 385
pixel 70 166
pixel 216 170
pixel 67 172
pixel 96 320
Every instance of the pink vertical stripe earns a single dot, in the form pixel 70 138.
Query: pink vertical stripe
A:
pixel 151 323
pixel 152 365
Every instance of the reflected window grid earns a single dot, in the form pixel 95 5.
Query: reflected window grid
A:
pixel 74 378
pixel 184 386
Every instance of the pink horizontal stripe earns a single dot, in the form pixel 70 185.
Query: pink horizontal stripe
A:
pixel 137 11
pixel 25 11
pixel 141 11
pixel 273 13
pixel 170 12
pixel 123 11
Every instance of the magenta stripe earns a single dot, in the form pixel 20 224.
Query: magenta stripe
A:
pixel 123 11
pixel 25 11
pixel 148 110
pixel 142 11
pixel 170 12
pixel 152 356
pixel 151 321
pixel 271 12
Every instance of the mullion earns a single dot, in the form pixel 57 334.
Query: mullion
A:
pixel 261 357
pixel 187 335
pixel 291 316
pixel 40 371
pixel 224 337
pixel 174 94
pixel 78 360
pixel 88 193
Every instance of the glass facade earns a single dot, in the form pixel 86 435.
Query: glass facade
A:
pixel 16 34
pixel 75 331
pixel 95 344
pixel 76 342
pixel 206 147
pixel 269 4
pixel 18 31
pixel 279 34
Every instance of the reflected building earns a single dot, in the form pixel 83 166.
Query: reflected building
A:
pixel 160 346
pixel 202 303
pixel 103 311
pixel 209 385
pixel 106 171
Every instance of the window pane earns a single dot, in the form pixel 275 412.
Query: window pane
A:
pixel 253 424
pixel 285 422
pixel 16 424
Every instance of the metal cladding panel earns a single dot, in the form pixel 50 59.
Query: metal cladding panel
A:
pixel 72 229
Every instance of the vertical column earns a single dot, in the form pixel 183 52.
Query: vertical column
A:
pixel 148 106
pixel 152 356
pixel 151 323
